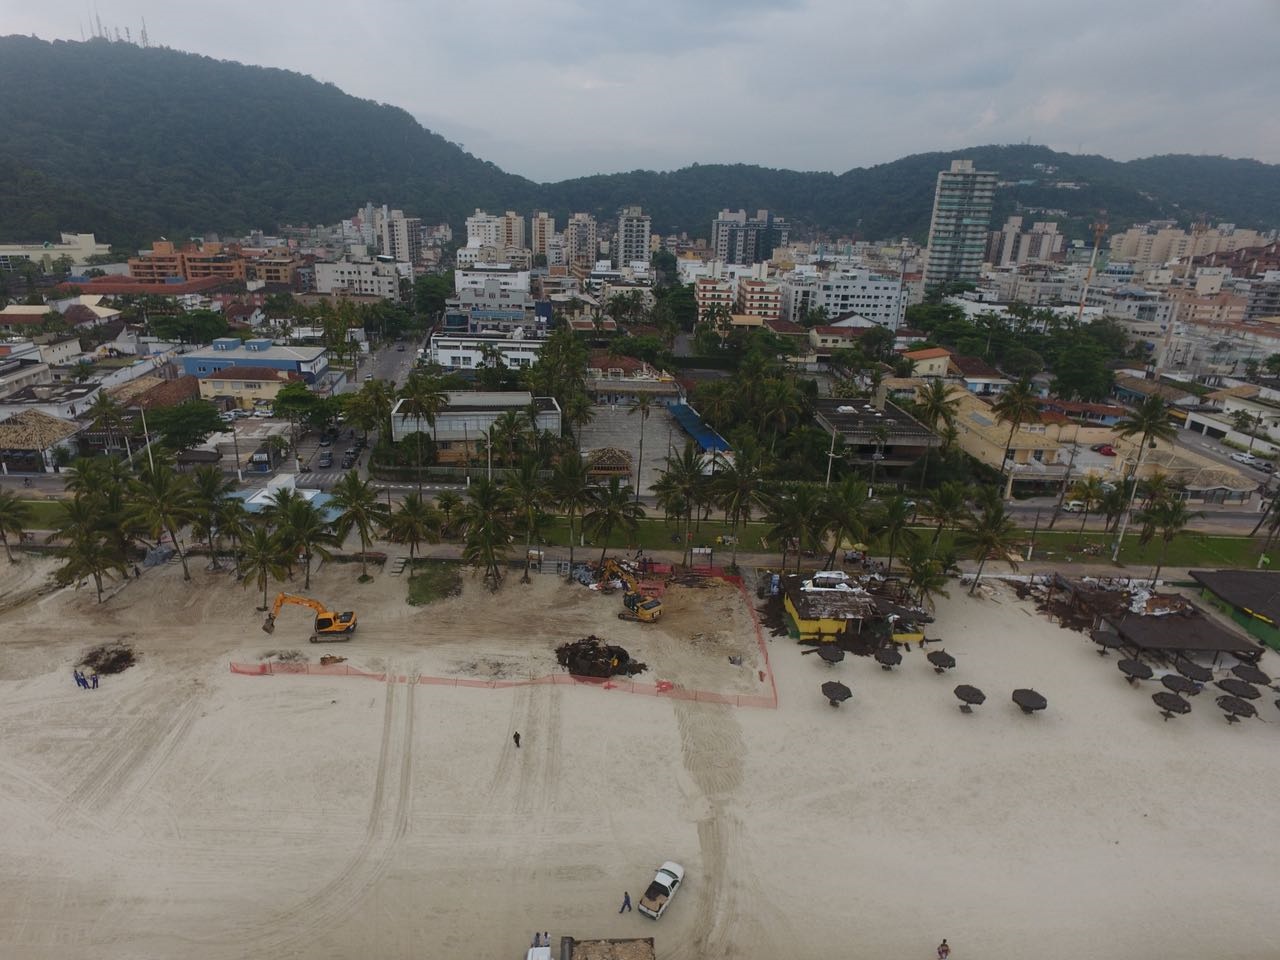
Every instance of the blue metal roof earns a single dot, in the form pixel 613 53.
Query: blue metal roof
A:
pixel 691 423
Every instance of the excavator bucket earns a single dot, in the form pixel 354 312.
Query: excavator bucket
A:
pixel 269 624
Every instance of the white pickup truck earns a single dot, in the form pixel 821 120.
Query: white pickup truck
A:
pixel 663 888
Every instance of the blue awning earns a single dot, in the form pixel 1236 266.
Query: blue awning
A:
pixel 691 423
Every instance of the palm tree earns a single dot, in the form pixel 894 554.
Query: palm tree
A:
pixel 991 532
pixel 643 406
pixel 1169 516
pixel 358 508
pixel 233 521
pixel 844 513
pixel 779 408
pixel 528 493
pixel 614 510
pixel 1015 406
pixel 572 491
pixel 263 559
pixel 578 412
pixel 684 477
pixel 304 531
pixel 87 549
pixel 509 431
pixel 488 529
pixel 162 501
pixel 785 521
pixel 422 397
pixel 935 404
pixel 894 517
pixel 738 487
pixel 210 487
pixel 14 515
pixel 415 522
pixel 447 502
pixel 949 505
pixel 927 574
pixel 1088 491
pixel 1151 422
pixel 108 415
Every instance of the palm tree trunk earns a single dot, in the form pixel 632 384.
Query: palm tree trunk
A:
pixel 263 577
pixel 981 563
pixel 1080 532
pixel 364 554
pixel 1007 445
pixel 640 459
pixel 186 574
pixel 528 540
pixel 97 582
pixel 419 462
pixel 307 560
pixel 4 537
pixel 924 471
pixel 893 548
pixel 571 513
pixel 733 555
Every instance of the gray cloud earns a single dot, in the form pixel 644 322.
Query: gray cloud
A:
pixel 568 87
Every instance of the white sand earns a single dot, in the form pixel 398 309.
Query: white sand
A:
pixel 183 811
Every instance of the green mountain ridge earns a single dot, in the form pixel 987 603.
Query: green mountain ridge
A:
pixel 135 143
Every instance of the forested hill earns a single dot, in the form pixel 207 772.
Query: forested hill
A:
pixel 135 143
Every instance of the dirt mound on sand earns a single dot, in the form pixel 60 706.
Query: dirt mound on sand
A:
pixel 109 658
pixel 592 657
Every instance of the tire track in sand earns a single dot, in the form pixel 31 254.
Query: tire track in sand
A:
pixel 388 822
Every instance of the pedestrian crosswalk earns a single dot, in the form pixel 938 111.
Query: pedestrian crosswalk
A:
pixel 324 479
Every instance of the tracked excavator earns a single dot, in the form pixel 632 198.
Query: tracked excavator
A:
pixel 329 625
pixel 638 607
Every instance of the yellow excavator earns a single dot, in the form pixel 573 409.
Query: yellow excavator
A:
pixel 330 625
pixel 639 608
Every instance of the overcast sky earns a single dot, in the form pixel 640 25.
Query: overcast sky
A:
pixel 565 88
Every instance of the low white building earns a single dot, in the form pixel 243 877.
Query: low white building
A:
pixel 468 351
pixel 77 247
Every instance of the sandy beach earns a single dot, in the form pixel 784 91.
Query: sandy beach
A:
pixel 182 810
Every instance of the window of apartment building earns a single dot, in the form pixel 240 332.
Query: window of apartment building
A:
pixel 252 386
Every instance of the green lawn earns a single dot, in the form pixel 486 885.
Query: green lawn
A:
pixel 431 580
pixel 43 514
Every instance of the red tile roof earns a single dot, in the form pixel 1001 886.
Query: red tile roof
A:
pixel 785 327
pixel 847 332
pixel 930 353
pixel 167 394
pixel 976 367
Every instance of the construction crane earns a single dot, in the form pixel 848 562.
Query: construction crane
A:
pixel 329 624
pixel 639 608
pixel 1099 230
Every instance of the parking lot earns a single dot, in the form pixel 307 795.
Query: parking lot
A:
pixel 616 426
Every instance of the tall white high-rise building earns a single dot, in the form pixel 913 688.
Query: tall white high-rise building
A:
pixel 400 237
pixel 542 227
pixel 962 204
pixel 485 230
pixel 633 237
pixel 581 244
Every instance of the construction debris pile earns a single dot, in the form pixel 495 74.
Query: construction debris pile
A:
pixel 1081 604
pixel 109 658
pixel 592 657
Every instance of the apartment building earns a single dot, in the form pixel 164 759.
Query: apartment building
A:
pixel 309 363
pixel 542 229
pixel 1011 245
pixel 471 350
pixel 379 277
pixel 711 293
pixel 880 299
pixel 484 230
pixel 632 244
pixel 1162 242
pixel 165 262
pixel 244 387
pixel 581 243
pixel 738 238
pixel 399 237
pixel 962 202
pixel 759 298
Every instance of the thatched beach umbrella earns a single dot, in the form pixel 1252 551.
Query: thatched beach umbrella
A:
pixel 888 657
pixel 1251 674
pixel 1029 700
pixel 836 692
pixel 1170 704
pixel 970 697
pixel 1235 708
pixel 941 660
pixel 1179 684
pixel 1106 640
pixel 1135 670
pixel 831 653
pixel 1193 671
pixel 1238 688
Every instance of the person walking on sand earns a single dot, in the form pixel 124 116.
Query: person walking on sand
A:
pixel 626 902
pixel 516 737
pixel 944 951
pixel 95 681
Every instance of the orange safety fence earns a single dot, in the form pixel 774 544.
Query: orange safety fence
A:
pixel 661 688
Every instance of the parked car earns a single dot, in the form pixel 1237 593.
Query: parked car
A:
pixel 326 441
pixel 347 463
pixel 399 348
pixel 1073 506
pixel 1107 450
pixel 368 377
pixel 1247 458
pixel 325 461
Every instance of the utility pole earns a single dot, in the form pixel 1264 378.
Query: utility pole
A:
pixel 831 455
